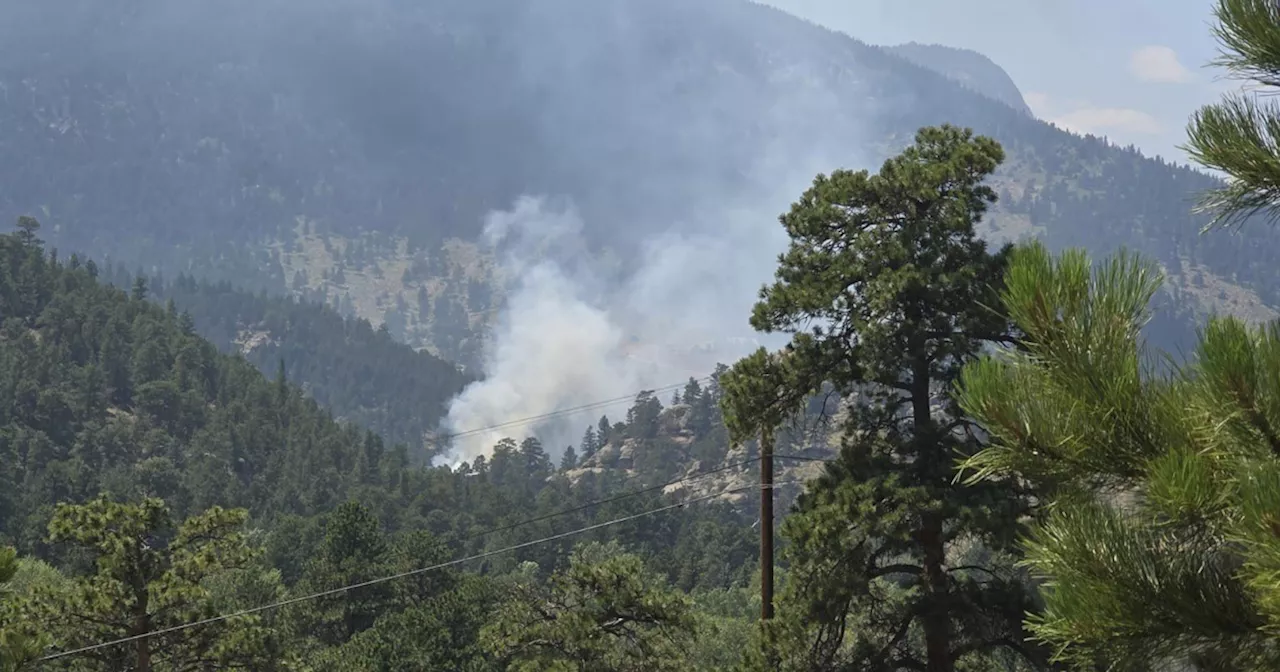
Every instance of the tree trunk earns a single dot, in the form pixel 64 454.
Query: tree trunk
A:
pixel 141 622
pixel 144 655
pixel 142 645
pixel 935 620
pixel 766 524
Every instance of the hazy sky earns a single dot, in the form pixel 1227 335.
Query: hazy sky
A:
pixel 1132 70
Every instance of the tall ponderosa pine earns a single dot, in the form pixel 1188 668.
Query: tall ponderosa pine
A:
pixel 1240 134
pixel 149 578
pixel 887 292
pixel 1160 546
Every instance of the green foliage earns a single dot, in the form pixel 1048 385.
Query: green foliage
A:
pixel 349 367
pixel 356 550
pixel 149 577
pixel 604 612
pixel 887 291
pixel 8 564
pixel 18 645
pixel 103 393
pixel 1240 134
pixel 1158 539
pixel 439 633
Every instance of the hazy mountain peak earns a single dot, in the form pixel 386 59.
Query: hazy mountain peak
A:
pixel 970 68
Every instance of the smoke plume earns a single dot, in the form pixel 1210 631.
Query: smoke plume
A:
pixel 692 220
pixel 575 330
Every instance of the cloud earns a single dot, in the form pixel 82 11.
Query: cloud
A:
pixel 1082 117
pixel 1156 63
pixel 1038 102
pixel 1102 120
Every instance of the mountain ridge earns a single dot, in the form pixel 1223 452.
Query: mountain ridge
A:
pixel 971 68
pixel 211 161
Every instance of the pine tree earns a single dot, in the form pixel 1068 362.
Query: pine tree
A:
pixel 589 445
pixel 115 354
pixel 569 460
pixel 604 432
pixel 144 585
pixel 892 565
pixel 692 391
pixel 19 646
pixel 1160 543
pixel 605 611
pixel 535 459
pixel 139 288
pixel 354 550
pixel 27 230
pixel 1238 134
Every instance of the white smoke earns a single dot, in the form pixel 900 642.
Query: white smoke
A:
pixel 572 333
pixel 576 329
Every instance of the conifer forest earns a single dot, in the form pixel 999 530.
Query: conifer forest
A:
pixel 621 335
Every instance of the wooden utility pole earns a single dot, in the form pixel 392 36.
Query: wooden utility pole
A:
pixel 766 523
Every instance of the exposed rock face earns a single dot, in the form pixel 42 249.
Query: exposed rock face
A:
pixel 676 440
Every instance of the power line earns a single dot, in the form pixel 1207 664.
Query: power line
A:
pixel 637 493
pixel 802 458
pixel 384 579
pixel 610 500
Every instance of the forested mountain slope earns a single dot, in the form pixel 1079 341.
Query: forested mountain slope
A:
pixel 103 391
pixel 361 374
pixel 329 147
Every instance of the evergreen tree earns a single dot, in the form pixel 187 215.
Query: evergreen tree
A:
pixel 139 288
pixel 27 230
pixel 604 612
pixel 589 446
pixel 885 289
pixel 440 633
pixel 692 391
pixel 1239 134
pixel 18 645
pixel 604 432
pixel 149 577
pixel 1159 546
pixel 536 461
pixel 354 550
pixel 569 460
pixel 702 408
pixel 642 417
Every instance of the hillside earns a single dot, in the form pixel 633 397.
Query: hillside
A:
pixel 361 374
pixel 228 144
pixel 104 391
pixel 685 436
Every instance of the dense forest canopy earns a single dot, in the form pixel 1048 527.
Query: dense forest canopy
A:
pixel 360 373
pixel 107 392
